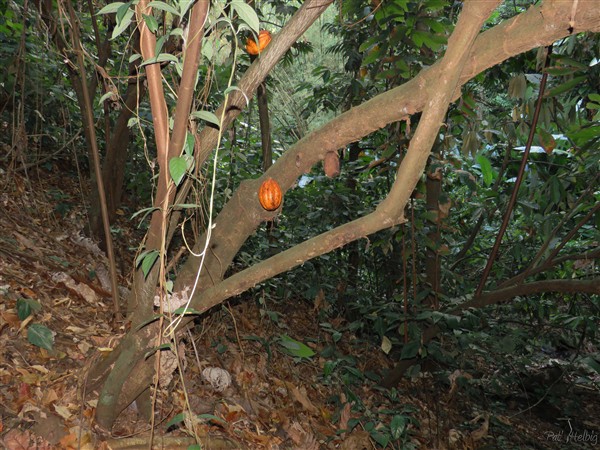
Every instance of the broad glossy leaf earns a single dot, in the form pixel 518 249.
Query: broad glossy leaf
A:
pixel 123 23
pixel 111 8
pixel 486 169
pixel 177 169
pixel 410 350
pixel 164 7
pixel 151 23
pixel 294 348
pixel 247 14
pixel 147 260
pixel 41 336
pixel 207 116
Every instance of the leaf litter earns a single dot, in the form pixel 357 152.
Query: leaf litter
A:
pixel 273 401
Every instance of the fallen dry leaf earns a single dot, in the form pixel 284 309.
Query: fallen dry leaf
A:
pixel 301 397
pixel 17 440
pixel 304 440
pixel 344 418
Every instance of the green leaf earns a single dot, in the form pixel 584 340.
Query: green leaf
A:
pixel 294 348
pixel 147 260
pixel 165 346
pixel 188 312
pixel 122 11
pixel 151 23
pixel 486 169
pixel 555 189
pixel 189 144
pixel 372 55
pixel 176 420
pixel 144 211
pixel 40 336
pixel 212 417
pixel 430 216
pixel 160 43
pixel 397 426
pixel 207 116
pixel 104 98
pixel 235 88
pixel 208 49
pixel 123 23
pixel 594 97
pixel 23 309
pixel 25 306
pixel 592 363
pixel 247 14
pixel 368 43
pixel 149 321
pixel 410 350
pixel 134 57
pixel 184 5
pixel 163 57
pixel 177 169
pixel 566 61
pixel 178 32
pixel 382 439
pixel 585 135
pixel 111 8
pixel 561 71
pixel 565 87
pixel 163 7
pixel 450 320
pixel 185 206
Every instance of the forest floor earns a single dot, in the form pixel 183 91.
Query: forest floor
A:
pixel 51 278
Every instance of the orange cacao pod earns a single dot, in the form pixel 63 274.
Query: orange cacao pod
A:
pixel 264 37
pixel 331 164
pixel 270 195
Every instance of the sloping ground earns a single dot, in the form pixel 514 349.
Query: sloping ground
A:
pixel 240 380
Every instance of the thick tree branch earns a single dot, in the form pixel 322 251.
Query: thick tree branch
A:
pixel 491 47
pixel 389 212
pixel 540 25
pixel 535 287
pixel 492 298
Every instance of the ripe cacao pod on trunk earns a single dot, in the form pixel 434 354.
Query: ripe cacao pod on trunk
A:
pixel 270 195
pixel 331 164
pixel 264 37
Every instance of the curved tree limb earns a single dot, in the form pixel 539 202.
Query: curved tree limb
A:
pixel 547 23
pixel 439 93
